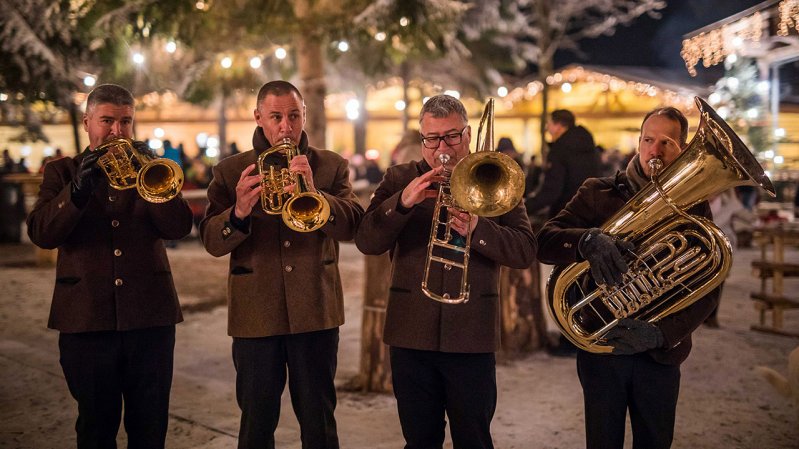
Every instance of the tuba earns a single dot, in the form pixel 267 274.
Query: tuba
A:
pixel 485 183
pixel 678 258
pixel 301 210
pixel 157 180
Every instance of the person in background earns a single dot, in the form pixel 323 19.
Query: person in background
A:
pixel 572 159
pixel 642 374
pixel 114 304
pixel 506 147
pixel 724 207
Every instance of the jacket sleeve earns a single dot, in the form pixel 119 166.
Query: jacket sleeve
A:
pixel 219 236
pixel 382 223
pixel 510 242
pixel 552 187
pixel 558 239
pixel 345 210
pixel 54 216
pixel 172 219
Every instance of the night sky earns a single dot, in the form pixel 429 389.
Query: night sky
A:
pixel 650 42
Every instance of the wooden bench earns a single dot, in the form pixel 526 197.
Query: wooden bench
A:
pixel 772 267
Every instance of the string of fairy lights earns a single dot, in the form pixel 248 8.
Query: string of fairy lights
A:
pixel 713 46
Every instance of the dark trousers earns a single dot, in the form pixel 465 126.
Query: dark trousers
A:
pixel 261 366
pixel 105 370
pixel 612 384
pixel 428 384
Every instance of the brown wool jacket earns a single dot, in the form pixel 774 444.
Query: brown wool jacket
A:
pixel 112 271
pixel 281 281
pixel 415 321
pixel 595 202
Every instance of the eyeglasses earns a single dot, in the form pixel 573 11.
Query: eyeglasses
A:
pixel 450 139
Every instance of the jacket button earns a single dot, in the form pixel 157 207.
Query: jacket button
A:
pixel 117 252
pixel 286 243
pixel 388 212
pixel 60 204
pixel 226 231
pixel 567 245
pixel 115 223
pixel 118 282
pixel 112 198
pixel 482 242
pixel 289 268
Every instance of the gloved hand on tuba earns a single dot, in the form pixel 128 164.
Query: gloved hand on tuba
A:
pixel 604 254
pixel 633 336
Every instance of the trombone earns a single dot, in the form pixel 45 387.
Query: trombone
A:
pixel 157 180
pixel 485 183
pixel 301 210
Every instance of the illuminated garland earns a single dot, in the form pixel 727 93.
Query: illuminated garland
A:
pixel 715 45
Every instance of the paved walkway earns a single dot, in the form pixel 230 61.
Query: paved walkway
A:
pixel 722 403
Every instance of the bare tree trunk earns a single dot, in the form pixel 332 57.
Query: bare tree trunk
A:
pixel 521 311
pixel 375 370
pixel 73 119
pixel 545 65
pixel 222 126
pixel 404 73
pixel 360 125
pixel 310 65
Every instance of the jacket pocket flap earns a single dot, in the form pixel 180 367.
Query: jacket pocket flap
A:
pixel 241 270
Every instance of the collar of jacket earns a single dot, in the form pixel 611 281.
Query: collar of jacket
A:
pixel 622 185
pixel 260 143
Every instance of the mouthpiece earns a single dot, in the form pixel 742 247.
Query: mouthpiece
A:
pixel 654 166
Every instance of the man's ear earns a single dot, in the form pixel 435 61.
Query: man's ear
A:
pixel 86 122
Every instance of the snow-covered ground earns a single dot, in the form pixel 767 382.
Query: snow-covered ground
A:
pixel 723 403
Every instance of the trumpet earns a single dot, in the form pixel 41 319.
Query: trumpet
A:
pixel 484 183
pixel 301 210
pixel 156 179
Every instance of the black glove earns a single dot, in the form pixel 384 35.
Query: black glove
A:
pixel 633 336
pixel 86 178
pixel 144 148
pixel 602 253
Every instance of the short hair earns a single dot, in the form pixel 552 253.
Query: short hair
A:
pixel 564 117
pixel 277 88
pixel 673 114
pixel 109 94
pixel 442 106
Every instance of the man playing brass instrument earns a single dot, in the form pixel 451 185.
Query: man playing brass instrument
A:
pixel 442 355
pixel 643 373
pixel 285 301
pixel 114 302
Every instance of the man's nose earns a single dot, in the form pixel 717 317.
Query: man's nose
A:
pixel 116 129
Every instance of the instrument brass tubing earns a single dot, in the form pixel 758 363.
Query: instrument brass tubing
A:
pixel 301 210
pixel 157 180
pixel 484 183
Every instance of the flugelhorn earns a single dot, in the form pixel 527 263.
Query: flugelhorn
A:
pixel 301 210
pixel 678 258
pixel 157 180
pixel 485 183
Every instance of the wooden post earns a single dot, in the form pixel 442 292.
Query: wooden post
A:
pixel 375 368
pixel 523 324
